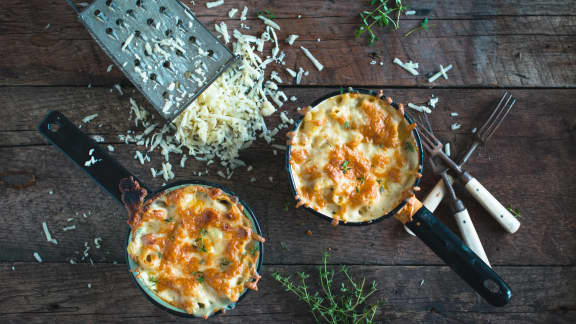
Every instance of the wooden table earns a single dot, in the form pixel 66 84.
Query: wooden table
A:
pixel 48 62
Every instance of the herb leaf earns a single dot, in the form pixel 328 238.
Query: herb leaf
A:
pixel 350 306
pixel 386 12
pixel 344 166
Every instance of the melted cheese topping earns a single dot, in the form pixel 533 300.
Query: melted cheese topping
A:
pixel 353 158
pixel 196 249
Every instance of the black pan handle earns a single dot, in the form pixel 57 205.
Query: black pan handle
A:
pixel 460 258
pixel 63 134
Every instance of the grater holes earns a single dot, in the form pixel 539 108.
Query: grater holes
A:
pixel 210 53
pixel 119 22
pixel 136 62
pixel 150 21
pixel 179 52
pixel 139 3
pixel 192 39
pixel 97 13
pixel 137 33
pixel 130 13
pixel 153 77
pixel 166 95
pixel 166 64
pixel 109 31
pixel 108 3
pixel 162 9
pixel 169 33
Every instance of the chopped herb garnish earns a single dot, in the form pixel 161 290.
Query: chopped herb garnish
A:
pixel 361 179
pixel 423 26
pixel 266 13
pixel 199 276
pixel 514 212
pixel 409 147
pixel 160 255
pixel 203 232
pixel 200 245
pixel 255 248
pixel 345 166
pixel 167 220
pixel 386 12
pixel 346 125
pixel 357 190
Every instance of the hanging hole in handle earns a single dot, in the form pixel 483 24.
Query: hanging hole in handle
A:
pixel 491 285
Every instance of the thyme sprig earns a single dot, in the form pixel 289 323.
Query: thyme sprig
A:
pixel 387 12
pixel 336 303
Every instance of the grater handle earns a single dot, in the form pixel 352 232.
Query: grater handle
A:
pixel 71 4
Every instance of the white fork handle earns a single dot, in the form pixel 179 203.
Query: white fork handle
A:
pixel 470 235
pixel 493 206
pixel 436 195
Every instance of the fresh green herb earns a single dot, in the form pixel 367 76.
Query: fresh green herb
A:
pixel 345 166
pixel 160 255
pixel 286 205
pixel 203 232
pixel 341 90
pixel 357 190
pixel 283 245
pixel 346 124
pixel 386 12
pixel 423 26
pixel 266 13
pixel 167 220
pixel 255 248
pixel 199 276
pixel 200 244
pixel 361 179
pixel 326 305
pixel 201 261
pixel 409 147
pixel 515 212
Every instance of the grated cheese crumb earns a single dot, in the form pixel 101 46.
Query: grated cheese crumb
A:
pixel 110 67
pixel 312 58
pixel 47 233
pixel 291 39
pixel 455 126
pixel 214 4
pixel 110 148
pixel 454 114
pixel 69 228
pixel 232 12
pixel 442 72
pixel 447 148
pixel 38 257
pixel 269 22
pixel 432 102
pixel 409 66
pixel 420 108
pixel 271 179
pixel 252 179
pixel 474 130
pixel 244 13
pixel 89 285
pixel 291 72
pixel 410 12
pixel 89 118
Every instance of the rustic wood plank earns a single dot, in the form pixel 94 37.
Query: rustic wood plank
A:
pixel 494 51
pixel 521 166
pixel 35 293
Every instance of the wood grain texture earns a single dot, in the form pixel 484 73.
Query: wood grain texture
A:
pixel 520 165
pixel 488 48
pixel 35 293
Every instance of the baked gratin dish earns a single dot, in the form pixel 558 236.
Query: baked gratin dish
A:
pixel 353 158
pixel 194 248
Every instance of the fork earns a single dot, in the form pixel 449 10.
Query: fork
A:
pixel 465 225
pixel 434 147
pixel 499 112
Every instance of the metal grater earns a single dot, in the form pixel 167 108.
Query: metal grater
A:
pixel 168 54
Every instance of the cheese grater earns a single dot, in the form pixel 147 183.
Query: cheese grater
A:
pixel 168 54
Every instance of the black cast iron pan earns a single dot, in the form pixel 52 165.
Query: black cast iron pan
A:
pixel 108 173
pixel 483 279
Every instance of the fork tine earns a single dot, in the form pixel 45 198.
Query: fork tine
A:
pixel 431 136
pixel 427 121
pixel 492 114
pixel 500 120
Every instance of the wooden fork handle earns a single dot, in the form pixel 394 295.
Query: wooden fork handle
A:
pixel 492 205
pixel 470 235
pixel 436 195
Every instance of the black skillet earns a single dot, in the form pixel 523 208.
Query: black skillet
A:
pixel 434 233
pixel 108 173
